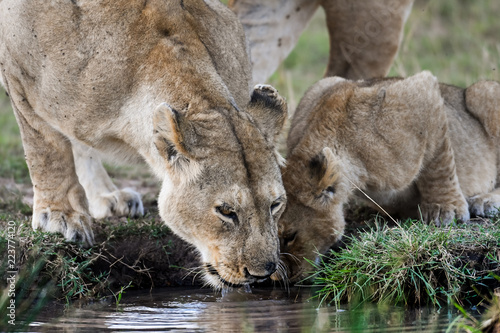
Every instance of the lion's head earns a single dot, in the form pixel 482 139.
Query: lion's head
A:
pixel 225 193
pixel 313 219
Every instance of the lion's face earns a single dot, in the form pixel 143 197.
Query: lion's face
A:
pixel 230 220
pixel 313 220
pixel 225 193
pixel 304 233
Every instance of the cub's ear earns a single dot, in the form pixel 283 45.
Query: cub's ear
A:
pixel 170 131
pixel 269 110
pixel 325 171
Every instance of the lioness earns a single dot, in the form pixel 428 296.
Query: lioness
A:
pixel 364 35
pixel 163 81
pixel 416 147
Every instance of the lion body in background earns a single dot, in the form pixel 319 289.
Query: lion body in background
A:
pixel 364 35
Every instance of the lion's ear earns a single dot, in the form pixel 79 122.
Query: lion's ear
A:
pixel 167 133
pixel 269 110
pixel 325 171
pixel 170 131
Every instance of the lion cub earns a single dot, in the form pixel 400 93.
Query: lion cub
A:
pixel 416 147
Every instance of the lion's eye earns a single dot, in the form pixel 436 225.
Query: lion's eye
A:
pixel 288 240
pixel 226 213
pixel 276 207
pixel 329 191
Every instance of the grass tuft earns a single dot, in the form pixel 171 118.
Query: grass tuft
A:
pixel 413 263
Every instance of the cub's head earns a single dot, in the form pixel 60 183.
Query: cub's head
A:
pixel 313 219
pixel 223 192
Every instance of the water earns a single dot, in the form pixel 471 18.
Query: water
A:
pixel 262 310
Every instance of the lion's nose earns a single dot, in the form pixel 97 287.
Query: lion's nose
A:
pixel 269 269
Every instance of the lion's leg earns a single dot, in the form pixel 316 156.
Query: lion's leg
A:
pixel 105 199
pixel 59 203
pixel 442 198
pixel 272 28
pixel 364 36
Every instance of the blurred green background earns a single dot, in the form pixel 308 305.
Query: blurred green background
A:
pixel 458 40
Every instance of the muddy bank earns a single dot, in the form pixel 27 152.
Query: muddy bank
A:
pixel 147 253
pixel 128 253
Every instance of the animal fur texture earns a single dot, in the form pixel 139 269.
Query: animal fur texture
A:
pixel 167 82
pixel 418 148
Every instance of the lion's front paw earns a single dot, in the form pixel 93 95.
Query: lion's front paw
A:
pixel 484 204
pixel 126 202
pixel 266 89
pixel 443 214
pixel 268 94
pixel 73 226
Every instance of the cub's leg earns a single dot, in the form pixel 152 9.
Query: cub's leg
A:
pixel 364 36
pixel 272 28
pixel 59 203
pixel 105 199
pixel 486 204
pixel 442 198
pixel 483 101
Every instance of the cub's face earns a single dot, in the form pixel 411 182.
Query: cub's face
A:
pixel 313 220
pixel 224 192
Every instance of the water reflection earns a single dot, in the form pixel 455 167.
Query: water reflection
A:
pixel 263 310
pixel 237 311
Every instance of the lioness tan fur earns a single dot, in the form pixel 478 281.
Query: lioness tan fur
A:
pixel 416 147
pixel 163 81
pixel 364 35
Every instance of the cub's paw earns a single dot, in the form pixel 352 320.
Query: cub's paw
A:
pixel 443 214
pixel 126 202
pixel 268 95
pixel 484 204
pixel 75 227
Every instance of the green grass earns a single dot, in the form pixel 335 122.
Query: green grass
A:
pixel 31 295
pixel 413 264
pixel 457 40
pixel 468 323
pixel 12 163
